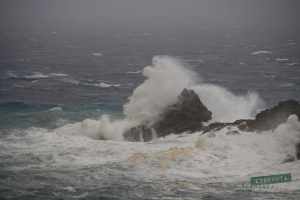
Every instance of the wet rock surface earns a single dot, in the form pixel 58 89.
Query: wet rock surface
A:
pixel 186 115
pixel 189 112
pixel 141 133
pixel 266 120
pixel 289 158
pixel 216 126
pixel 270 119
pixel 233 133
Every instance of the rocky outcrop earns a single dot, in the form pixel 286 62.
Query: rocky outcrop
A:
pixel 266 120
pixel 270 119
pixel 186 115
pixel 189 112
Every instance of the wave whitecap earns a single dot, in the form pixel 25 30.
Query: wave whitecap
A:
pixel 260 52
pixel 166 78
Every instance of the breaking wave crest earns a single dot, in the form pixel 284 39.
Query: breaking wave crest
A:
pixel 262 149
pixel 166 78
pixel 226 106
pixel 102 129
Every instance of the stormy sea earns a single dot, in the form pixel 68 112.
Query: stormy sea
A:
pixel 68 93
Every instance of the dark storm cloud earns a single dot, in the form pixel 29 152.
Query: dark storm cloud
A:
pixel 231 12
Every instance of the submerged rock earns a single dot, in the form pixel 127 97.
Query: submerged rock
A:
pixel 233 133
pixel 216 126
pixel 141 133
pixel 186 115
pixel 289 158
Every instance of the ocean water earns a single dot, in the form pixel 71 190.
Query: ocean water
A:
pixel 67 94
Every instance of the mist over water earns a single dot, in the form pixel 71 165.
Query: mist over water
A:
pixel 166 78
pixel 248 151
pixel 75 75
pixel 227 107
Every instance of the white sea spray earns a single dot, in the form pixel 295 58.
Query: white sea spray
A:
pixel 167 77
pixel 226 106
pixel 248 153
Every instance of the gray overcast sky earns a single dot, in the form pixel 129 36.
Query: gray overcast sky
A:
pixel 215 12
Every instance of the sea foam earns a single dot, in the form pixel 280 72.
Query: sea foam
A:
pixel 248 153
pixel 226 106
pixel 260 52
pixel 97 54
pixel 104 85
pixel 166 78
pixel 37 75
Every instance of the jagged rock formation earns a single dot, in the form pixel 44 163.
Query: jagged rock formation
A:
pixel 270 119
pixel 186 115
pixel 266 120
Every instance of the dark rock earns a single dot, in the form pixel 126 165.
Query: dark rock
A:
pixel 270 119
pixel 289 158
pixel 196 130
pixel 187 114
pixel 141 133
pixel 242 124
pixel 233 133
pixel 298 151
pixel 216 126
pixel 266 120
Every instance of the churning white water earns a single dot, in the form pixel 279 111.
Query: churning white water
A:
pixel 192 164
pixel 166 78
pixel 90 159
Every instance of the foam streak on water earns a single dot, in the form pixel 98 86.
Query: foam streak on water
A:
pixel 82 166
pixel 167 77
pixel 90 159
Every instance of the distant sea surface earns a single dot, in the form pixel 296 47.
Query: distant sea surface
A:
pixel 68 92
